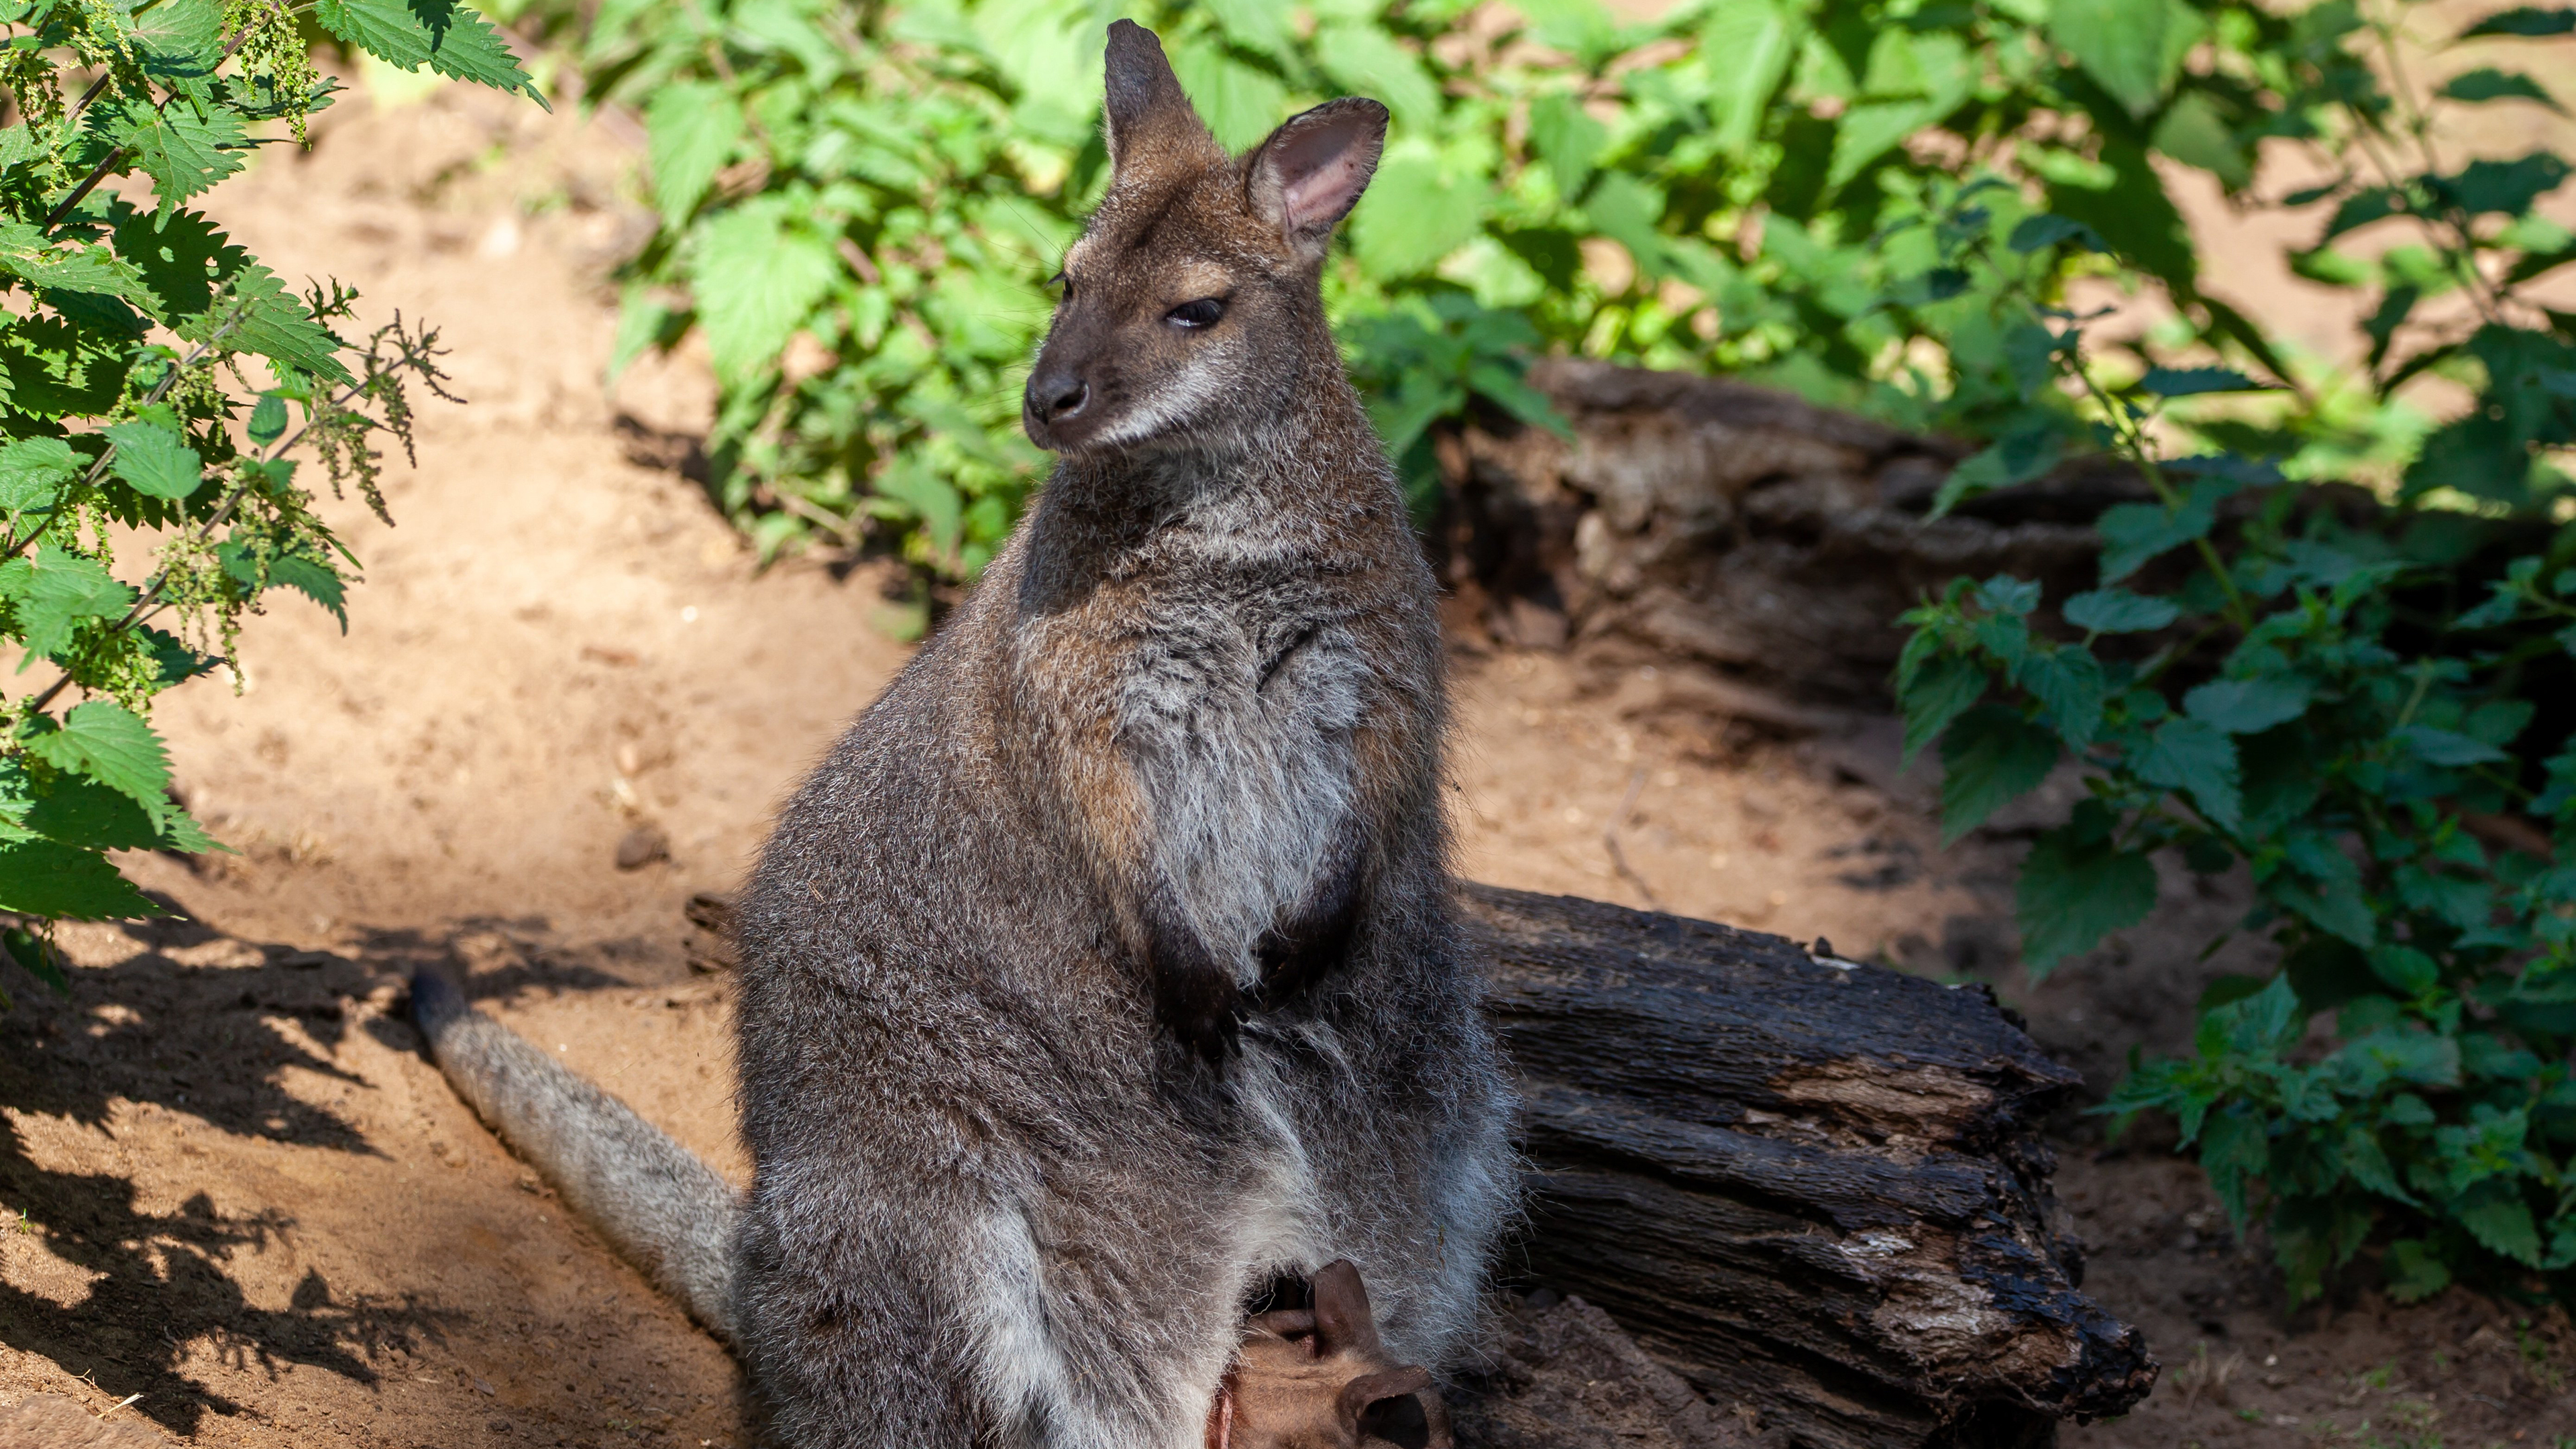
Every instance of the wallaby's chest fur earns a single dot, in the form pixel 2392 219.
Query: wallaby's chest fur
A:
pixel 1233 652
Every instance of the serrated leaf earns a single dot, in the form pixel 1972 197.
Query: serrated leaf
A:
pixel 691 128
pixel 2524 20
pixel 2117 611
pixel 60 882
pixel 2487 83
pixel 267 420
pixel 33 472
pixel 70 266
pixel 449 38
pixel 200 283
pixel 2248 706
pixel 315 580
pixel 183 147
pixel 2131 48
pixel 2049 229
pixel 2138 533
pixel 2496 1215
pixel 2067 681
pixel 2446 747
pixel 80 812
pixel 152 458
pixel 2194 381
pixel 2508 187
pixel 182 40
pixel 756 281
pixel 1412 215
pixel 1938 694
pixel 55 593
pixel 2415 1272
pixel 110 744
pixel 2193 757
pixel 1990 756
pixel 2074 892
pixel 37 957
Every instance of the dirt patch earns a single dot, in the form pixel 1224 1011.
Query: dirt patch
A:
pixel 233 1187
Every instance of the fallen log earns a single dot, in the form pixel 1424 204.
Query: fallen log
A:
pixel 1815 1189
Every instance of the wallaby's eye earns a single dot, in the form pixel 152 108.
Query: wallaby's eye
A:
pixel 1194 315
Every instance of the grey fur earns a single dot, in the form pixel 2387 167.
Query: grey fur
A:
pixel 1107 967
pixel 666 1211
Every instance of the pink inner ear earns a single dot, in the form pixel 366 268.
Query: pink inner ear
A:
pixel 1322 196
pixel 1322 170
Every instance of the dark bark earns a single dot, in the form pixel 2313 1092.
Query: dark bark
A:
pixel 1815 1189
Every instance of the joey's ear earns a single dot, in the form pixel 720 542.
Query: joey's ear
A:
pixel 1152 126
pixel 1398 1406
pixel 1311 171
pixel 1343 1322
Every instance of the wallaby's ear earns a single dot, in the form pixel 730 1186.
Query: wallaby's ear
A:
pixel 1151 123
pixel 1311 171
pixel 1394 1406
pixel 1343 1322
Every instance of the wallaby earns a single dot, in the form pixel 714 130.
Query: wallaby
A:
pixel 1319 1378
pixel 1107 968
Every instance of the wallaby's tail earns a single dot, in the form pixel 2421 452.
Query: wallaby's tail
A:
pixel 665 1210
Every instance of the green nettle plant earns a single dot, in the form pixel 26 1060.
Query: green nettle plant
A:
pixel 860 204
pixel 1881 204
pixel 133 415
pixel 2361 699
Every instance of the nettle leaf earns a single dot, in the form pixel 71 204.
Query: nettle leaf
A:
pixel 33 472
pixel 54 593
pixel 184 147
pixel 2138 533
pixel 80 812
pixel 757 281
pixel 42 261
pixel 112 745
pixel 2248 706
pixel 2496 1215
pixel 152 458
pixel 2194 381
pixel 2446 747
pixel 315 580
pixel 2036 233
pixel 2487 83
pixel 2415 1271
pixel 1937 694
pixel 267 420
pixel 2196 758
pixel 691 128
pixel 2117 611
pixel 2132 48
pixel 2509 187
pixel 1990 756
pixel 2074 891
pixel 2525 20
pixel 2067 681
pixel 202 284
pixel 447 37
pixel 45 878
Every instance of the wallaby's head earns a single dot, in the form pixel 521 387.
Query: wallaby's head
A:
pixel 1191 305
pixel 1317 1378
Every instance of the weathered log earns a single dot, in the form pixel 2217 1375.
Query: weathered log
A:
pixel 1815 1189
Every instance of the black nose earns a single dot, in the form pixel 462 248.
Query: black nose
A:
pixel 1056 396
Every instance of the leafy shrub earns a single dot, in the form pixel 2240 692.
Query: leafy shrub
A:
pixel 892 182
pixel 2362 699
pixel 125 404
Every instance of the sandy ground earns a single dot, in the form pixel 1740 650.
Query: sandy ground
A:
pixel 236 1195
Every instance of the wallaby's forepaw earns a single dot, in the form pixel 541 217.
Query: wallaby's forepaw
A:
pixel 1205 1016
